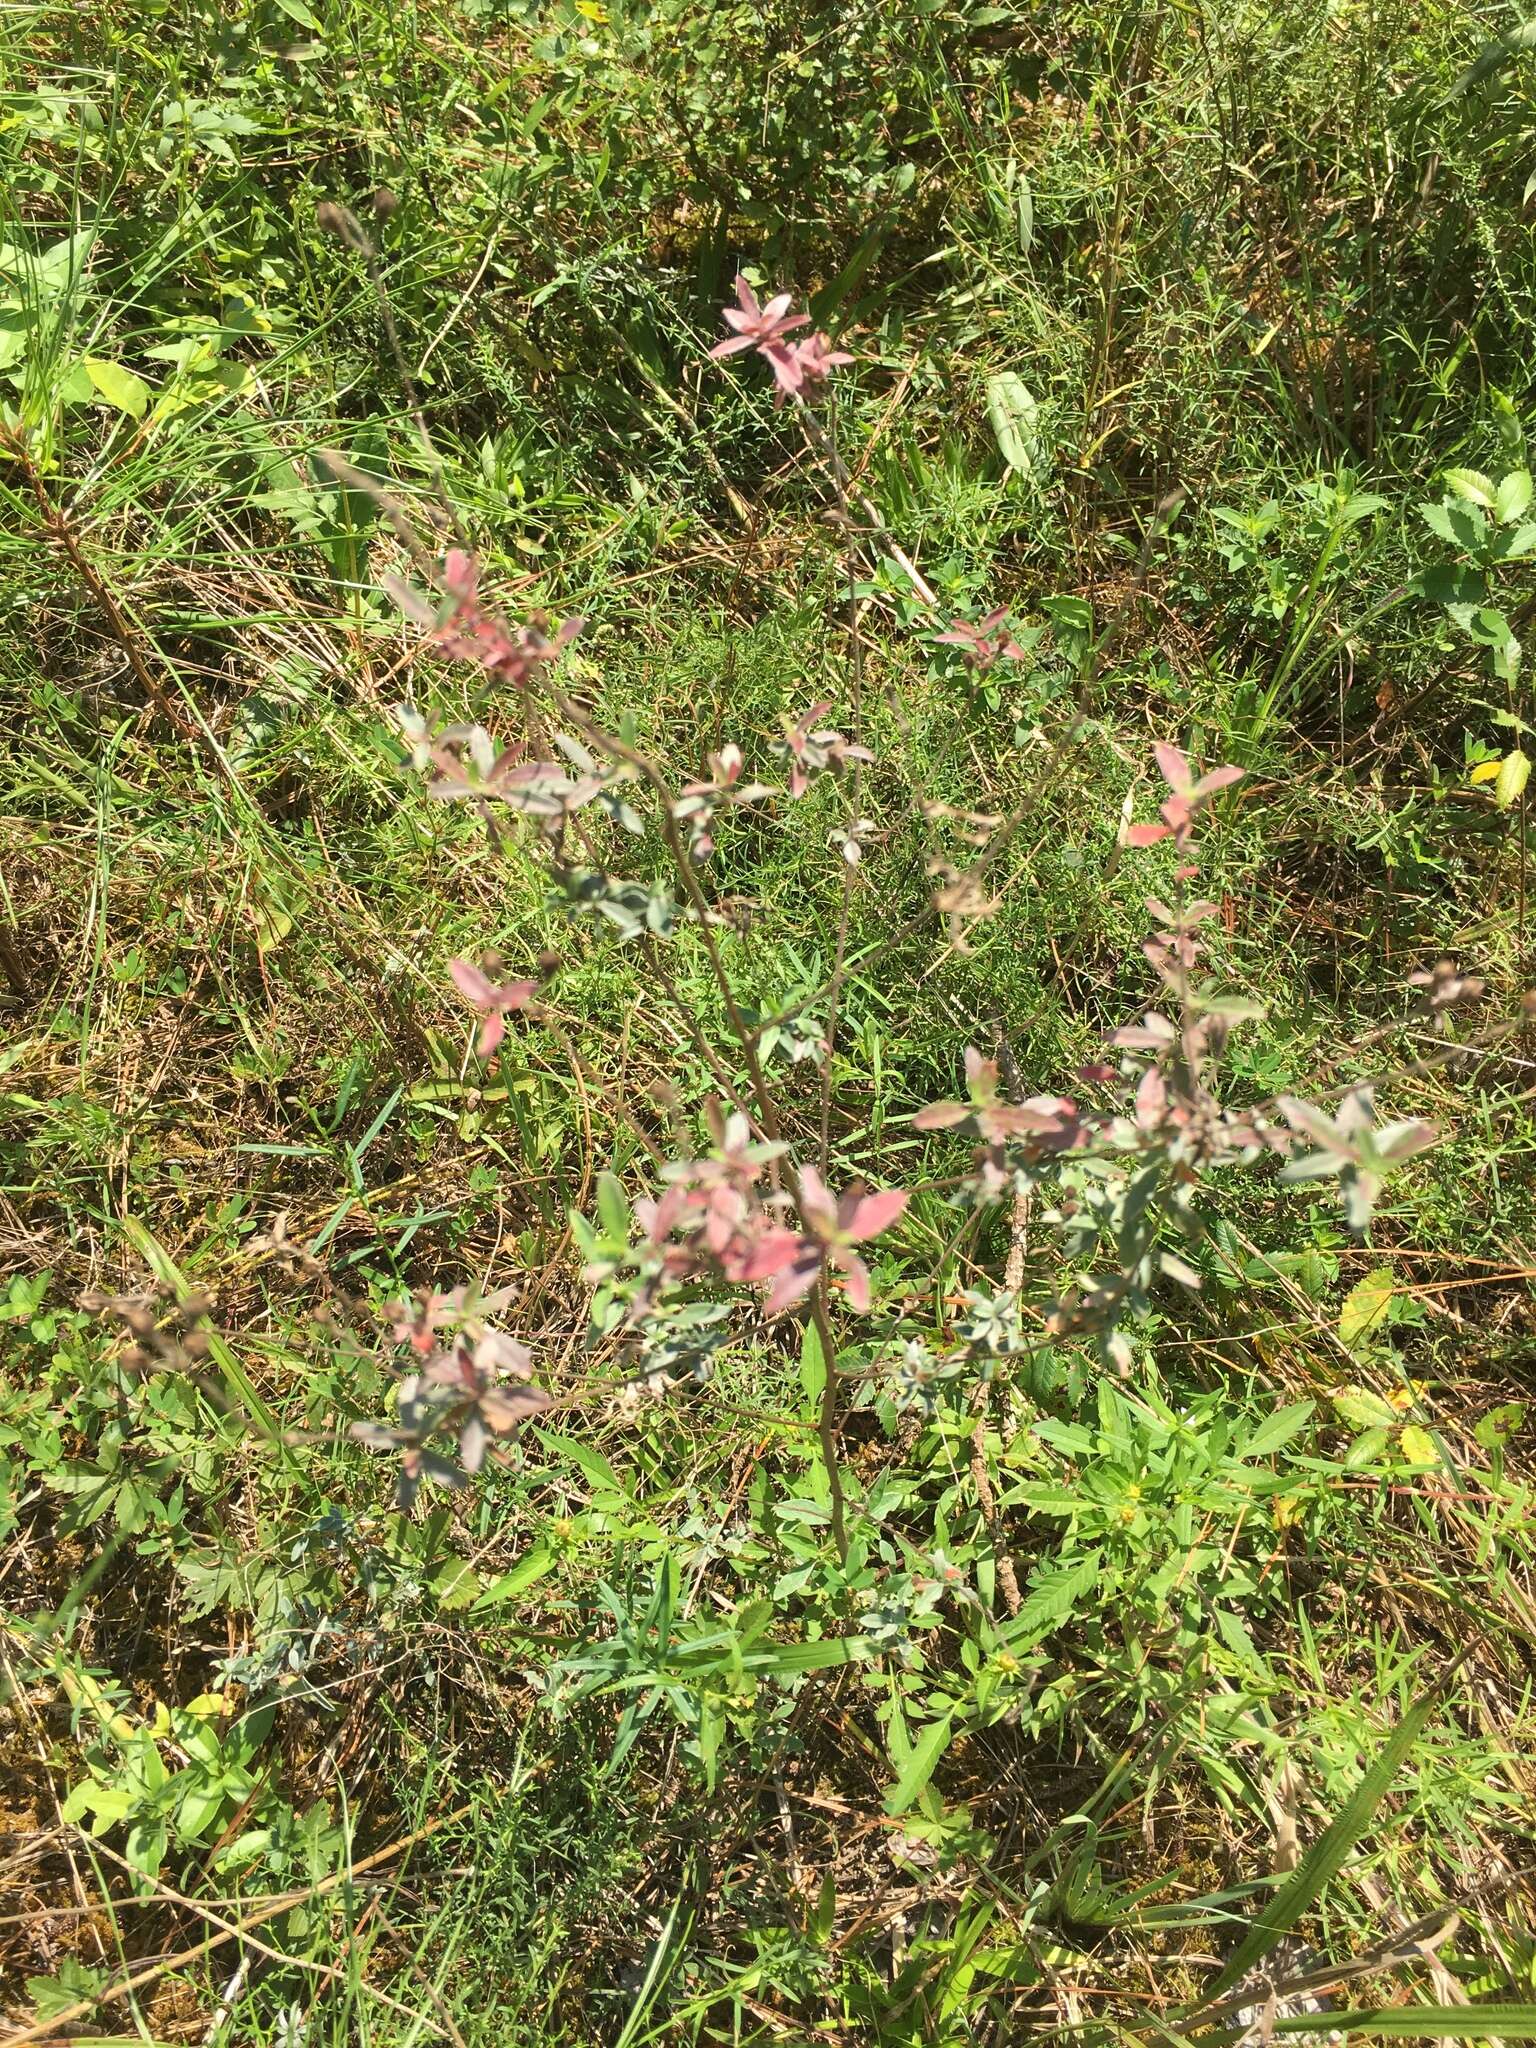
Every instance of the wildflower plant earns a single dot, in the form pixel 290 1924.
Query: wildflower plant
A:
pixel 737 1229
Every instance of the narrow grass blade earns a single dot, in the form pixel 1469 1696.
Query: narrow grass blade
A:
pixel 1421 2023
pixel 1324 1860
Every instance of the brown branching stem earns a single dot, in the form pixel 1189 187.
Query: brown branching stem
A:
pixel 62 533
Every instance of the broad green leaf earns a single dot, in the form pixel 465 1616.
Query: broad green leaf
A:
pixel 1512 499
pixel 297 11
pixel 531 1566
pixel 1015 421
pixel 74 386
pixel 1276 1430
pixel 200 1807
pixel 613 1207
pixel 1366 1306
pixel 1473 486
pixel 1323 1861
pixel 1361 1409
pixel 813 1368
pixel 119 387
pixel 1495 1429
pixel 47 273
pixel 824 1919
pixel 1361 505
pixel 456 1585
pixel 780 1658
pixel 75 1982
pixel 920 1764
pixel 1493 57
pixel 593 1463
pixel 1514 773
pixel 1364 1452
pixel 1438 519
pixel 1482 623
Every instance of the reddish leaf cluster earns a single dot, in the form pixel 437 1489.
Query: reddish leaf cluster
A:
pixel 983 644
pixel 1189 797
pixel 713 1220
pixel 800 368
pixel 1009 1132
pixel 463 630
pixel 698 802
pixel 810 748
pixel 495 999
pixel 477 1385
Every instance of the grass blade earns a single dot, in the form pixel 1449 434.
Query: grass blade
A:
pixel 1422 2023
pixel 1324 1860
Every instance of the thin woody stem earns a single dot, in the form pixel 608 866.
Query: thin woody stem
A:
pixel 62 533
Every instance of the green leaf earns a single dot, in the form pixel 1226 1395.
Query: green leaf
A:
pixel 1512 499
pixel 920 1764
pixel 1514 773
pixel 779 1659
pixel 200 1807
pixel 1418 1446
pixel 1323 1861
pixel 1361 1409
pixel 1015 421
pixel 1024 201
pixel 75 1981
pixel 1482 623
pixel 1519 542
pixel 593 1463
pixel 824 1919
pixel 613 1207
pixel 530 1567
pixel 74 386
pixel 1364 1452
pixel 297 11
pixel 456 1585
pixel 1276 1430
pixel 1054 1593
pixel 1422 2023
pixel 1493 57
pixel 1366 1306
pixel 119 387
pixel 1495 1429
pixel 1472 486
pixel 813 1368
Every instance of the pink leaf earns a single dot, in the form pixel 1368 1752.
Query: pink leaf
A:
pixel 1173 766
pixel 941 1116
pixel 875 1213
pixel 471 984
pixel 505 1407
pixel 461 575
pixel 1217 778
pixel 858 1283
pixel 789 1287
pixel 1147 835
pixel 771 1254
pixel 814 1197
